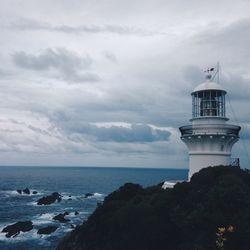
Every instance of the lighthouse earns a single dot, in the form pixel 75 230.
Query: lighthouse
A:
pixel 209 138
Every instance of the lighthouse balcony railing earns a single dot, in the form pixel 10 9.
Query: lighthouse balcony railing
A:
pixel 219 129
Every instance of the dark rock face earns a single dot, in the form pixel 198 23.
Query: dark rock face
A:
pixel 47 200
pixel 76 212
pixel 60 218
pixel 26 191
pixel 15 229
pixel 47 230
pixel 186 217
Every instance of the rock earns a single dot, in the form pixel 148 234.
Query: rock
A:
pixel 47 230
pixel 60 218
pixel 15 229
pixel 47 200
pixel 88 195
pixel 26 191
pixel 66 213
pixel 76 212
pixel 70 199
pixel 72 226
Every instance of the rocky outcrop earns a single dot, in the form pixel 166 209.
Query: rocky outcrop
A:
pixel 19 191
pixel 210 212
pixel 47 200
pixel 88 195
pixel 25 191
pixel 61 217
pixel 15 229
pixel 47 230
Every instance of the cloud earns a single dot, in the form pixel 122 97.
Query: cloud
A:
pixel 110 56
pixel 139 133
pixel 245 131
pixel 144 77
pixel 33 25
pixel 60 63
pixel 235 34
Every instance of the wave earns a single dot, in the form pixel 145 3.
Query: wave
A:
pixel 67 196
pixel 9 193
pixel 43 219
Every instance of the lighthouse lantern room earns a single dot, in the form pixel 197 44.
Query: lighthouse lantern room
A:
pixel 209 138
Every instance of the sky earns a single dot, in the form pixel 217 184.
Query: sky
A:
pixel 108 83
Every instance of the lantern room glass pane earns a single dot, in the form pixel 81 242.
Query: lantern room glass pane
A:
pixel 208 103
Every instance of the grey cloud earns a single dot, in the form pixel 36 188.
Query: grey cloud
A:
pixel 32 25
pixel 192 75
pixel 38 130
pixel 234 34
pixel 245 131
pixel 69 65
pixel 140 133
pixel 110 56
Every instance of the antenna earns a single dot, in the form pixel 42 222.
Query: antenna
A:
pixel 218 70
pixel 217 73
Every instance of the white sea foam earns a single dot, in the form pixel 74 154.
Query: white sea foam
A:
pixel 9 193
pixel 43 219
pixel 98 195
pixel 22 236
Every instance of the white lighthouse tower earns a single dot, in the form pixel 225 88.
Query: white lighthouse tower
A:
pixel 209 138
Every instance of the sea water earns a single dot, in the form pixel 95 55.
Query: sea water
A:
pixel 72 183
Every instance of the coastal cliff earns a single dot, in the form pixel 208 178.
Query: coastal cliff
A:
pixel 212 211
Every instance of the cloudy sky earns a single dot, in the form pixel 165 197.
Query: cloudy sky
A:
pixel 107 83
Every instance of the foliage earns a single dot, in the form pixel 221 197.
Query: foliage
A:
pixel 189 216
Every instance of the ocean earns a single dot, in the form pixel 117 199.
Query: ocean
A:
pixel 72 183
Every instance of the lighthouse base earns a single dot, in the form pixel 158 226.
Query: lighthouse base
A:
pixel 198 161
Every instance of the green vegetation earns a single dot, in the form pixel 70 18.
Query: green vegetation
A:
pixel 212 211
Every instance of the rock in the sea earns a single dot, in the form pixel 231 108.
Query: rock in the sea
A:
pixel 47 200
pixel 15 229
pixel 26 191
pixel 76 212
pixel 89 195
pixel 19 191
pixel 60 218
pixel 47 230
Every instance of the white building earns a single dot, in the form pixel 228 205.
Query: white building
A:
pixel 209 138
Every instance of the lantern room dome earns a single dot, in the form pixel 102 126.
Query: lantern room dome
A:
pixel 208 85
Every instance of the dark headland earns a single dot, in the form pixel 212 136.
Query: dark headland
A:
pixel 212 211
